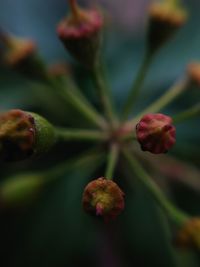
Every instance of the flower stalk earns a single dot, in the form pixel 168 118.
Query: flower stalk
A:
pixel 174 214
pixel 167 98
pixel 188 114
pixel 80 135
pixel 112 161
pixel 137 85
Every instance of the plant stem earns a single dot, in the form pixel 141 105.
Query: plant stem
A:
pixel 173 213
pixel 103 92
pixel 164 100
pixel 112 161
pixel 190 113
pixel 82 106
pixel 137 84
pixel 79 134
pixel 88 158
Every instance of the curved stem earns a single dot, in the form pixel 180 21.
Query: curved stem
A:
pixel 176 215
pixel 190 113
pixel 171 94
pixel 76 101
pixel 81 135
pixel 103 92
pixel 137 85
pixel 112 161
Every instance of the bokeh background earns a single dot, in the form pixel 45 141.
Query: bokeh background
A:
pixel 54 231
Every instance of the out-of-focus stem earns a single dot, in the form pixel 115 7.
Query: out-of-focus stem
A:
pixel 137 85
pixel 81 135
pixel 176 215
pixel 167 98
pixel 112 161
pixel 189 113
pixel 74 99
pixel 103 92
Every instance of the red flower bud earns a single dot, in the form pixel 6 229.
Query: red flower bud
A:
pixel 104 198
pixel 165 19
pixel 80 33
pixel 156 133
pixel 23 134
pixel 189 235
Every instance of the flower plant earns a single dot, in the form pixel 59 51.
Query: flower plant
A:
pixel 119 141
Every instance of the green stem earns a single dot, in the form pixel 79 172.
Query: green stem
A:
pixel 79 134
pixel 190 113
pixel 83 107
pixel 103 92
pixel 137 85
pixel 88 158
pixel 112 161
pixel 171 94
pixel 173 213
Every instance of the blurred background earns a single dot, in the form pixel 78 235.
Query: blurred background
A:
pixel 54 231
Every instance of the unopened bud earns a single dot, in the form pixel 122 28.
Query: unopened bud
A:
pixel 23 134
pixel 189 235
pixel 80 33
pixel 155 133
pixel 165 18
pixel 194 73
pixel 103 198
pixel 20 190
pixel 20 54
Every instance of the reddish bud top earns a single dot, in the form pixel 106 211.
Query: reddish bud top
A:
pixel 156 133
pixel 80 33
pixel 165 19
pixel 104 198
pixel 23 134
pixel 189 235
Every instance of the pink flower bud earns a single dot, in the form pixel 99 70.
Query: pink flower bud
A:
pixel 103 198
pixel 80 33
pixel 155 133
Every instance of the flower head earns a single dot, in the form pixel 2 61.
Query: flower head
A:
pixel 155 133
pixel 80 33
pixel 104 198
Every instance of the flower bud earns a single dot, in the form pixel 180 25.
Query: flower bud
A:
pixel 20 55
pixel 189 235
pixel 103 198
pixel 165 18
pixel 194 73
pixel 80 33
pixel 24 134
pixel 155 133
pixel 20 190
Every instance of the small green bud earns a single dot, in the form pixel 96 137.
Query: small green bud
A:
pixel 24 134
pixel 20 190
